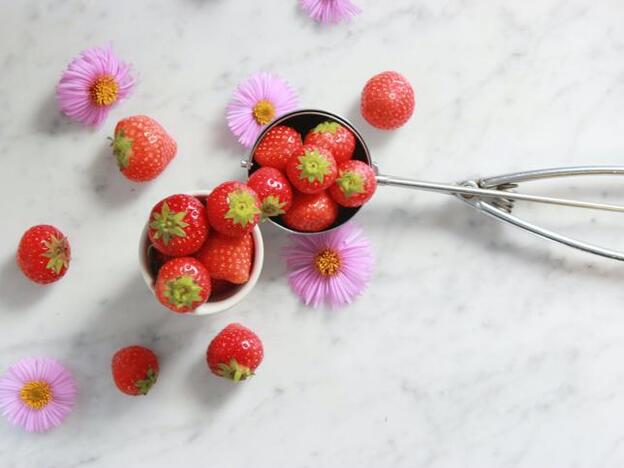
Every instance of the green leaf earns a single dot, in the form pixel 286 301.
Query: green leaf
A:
pixel 122 149
pixel 327 127
pixel 183 292
pixel 168 224
pixel 350 183
pixel 243 207
pixel 313 166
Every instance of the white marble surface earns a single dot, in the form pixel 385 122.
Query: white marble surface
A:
pixel 476 346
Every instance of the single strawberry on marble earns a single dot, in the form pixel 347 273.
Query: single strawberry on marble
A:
pixel 135 370
pixel 43 254
pixel 142 147
pixel 235 353
pixel 387 100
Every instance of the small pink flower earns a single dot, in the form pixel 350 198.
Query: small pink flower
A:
pixel 333 267
pixel 255 103
pixel 37 394
pixel 92 84
pixel 330 11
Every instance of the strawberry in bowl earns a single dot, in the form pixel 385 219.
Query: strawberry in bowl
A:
pixel 313 170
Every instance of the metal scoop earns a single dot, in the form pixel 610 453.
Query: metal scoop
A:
pixel 492 196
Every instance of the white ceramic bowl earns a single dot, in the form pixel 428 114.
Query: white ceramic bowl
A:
pixel 219 303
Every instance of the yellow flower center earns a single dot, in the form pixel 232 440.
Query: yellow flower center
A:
pixel 104 91
pixel 263 112
pixel 327 262
pixel 36 394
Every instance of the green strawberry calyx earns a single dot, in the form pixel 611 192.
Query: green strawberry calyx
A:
pixel 272 206
pixel 327 127
pixel 146 384
pixel 182 292
pixel 58 254
pixel 234 371
pixel 313 166
pixel 242 207
pixel 350 183
pixel 122 149
pixel 168 224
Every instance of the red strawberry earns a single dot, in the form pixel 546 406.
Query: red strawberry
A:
pixel 311 213
pixel 387 100
pixel 277 147
pixel 233 208
pixel 43 254
pixel 273 190
pixel 178 225
pixel 335 137
pixel 235 353
pixel 135 370
pixel 313 170
pixel 355 185
pixel 227 258
pixel 142 147
pixel 183 284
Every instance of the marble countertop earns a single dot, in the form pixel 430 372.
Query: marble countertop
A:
pixel 477 345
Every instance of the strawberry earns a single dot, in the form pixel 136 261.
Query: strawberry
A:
pixel 313 170
pixel 235 353
pixel 135 370
pixel 277 147
pixel 335 137
pixel 233 209
pixel 387 100
pixel 178 225
pixel 273 190
pixel 355 185
pixel 43 254
pixel 142 147
pixel 227 258
pixel 311 213
pixel 183 284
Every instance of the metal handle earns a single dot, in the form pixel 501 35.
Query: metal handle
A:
pixel 468 191
pixel 482 195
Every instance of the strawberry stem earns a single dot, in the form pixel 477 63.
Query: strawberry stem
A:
pixel 313 165
pixel 242 207
pixel 234 371
pixel 327 127
pixel 168 224
pixel 146 384
pixel 182 292
pixel 350 183
pixel 58 254
pixel 272 206
pixel 122 149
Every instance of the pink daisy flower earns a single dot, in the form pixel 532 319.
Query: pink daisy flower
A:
pixel 37 394
pixel 255 103
pixel 333 267
pixel 329 11
pixel 92 84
